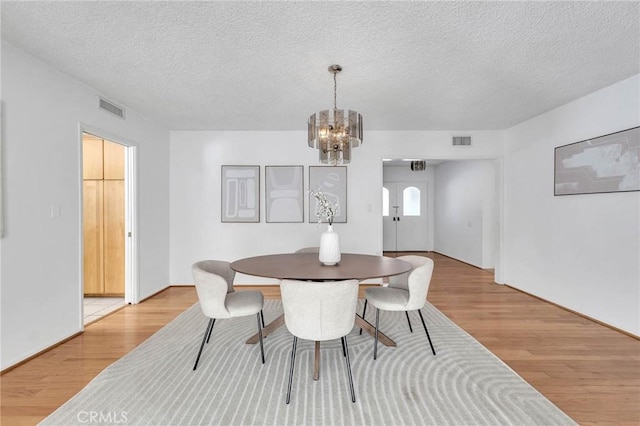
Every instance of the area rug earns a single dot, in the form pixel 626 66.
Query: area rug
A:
pixel 464 384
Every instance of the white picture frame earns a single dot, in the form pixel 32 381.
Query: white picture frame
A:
pixel 332 180
pixel 284 200
pixel 240 194
pixel 603 164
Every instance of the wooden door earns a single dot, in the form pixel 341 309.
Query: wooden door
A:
pixel 113 154
pixel 114 237
pixel 103 213
pixel 92 157
pixel 92 212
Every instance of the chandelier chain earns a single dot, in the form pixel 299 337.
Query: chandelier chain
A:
pixel 335 85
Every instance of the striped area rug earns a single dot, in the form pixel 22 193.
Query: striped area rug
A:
pixel 464 384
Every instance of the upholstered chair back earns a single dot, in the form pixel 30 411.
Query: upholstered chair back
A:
pixel 213 280
pixel 319 310
pixel 416 281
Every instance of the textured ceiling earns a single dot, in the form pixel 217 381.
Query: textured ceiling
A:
pixel 263 65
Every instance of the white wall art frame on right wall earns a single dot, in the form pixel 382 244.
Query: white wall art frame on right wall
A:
pixel 607 163
pixel 240 194
pixel 332 180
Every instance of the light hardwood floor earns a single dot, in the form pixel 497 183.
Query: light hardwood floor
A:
pixel 589 371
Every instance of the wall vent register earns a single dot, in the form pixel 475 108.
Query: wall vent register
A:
pixel 111 108
pixel 461 140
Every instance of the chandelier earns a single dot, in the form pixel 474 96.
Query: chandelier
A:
pixel 418 165
pixel 334 132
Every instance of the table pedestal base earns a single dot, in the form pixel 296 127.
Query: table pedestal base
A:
pixel 316 362
pixel 369 328
pixel 268 329
pixel 359 321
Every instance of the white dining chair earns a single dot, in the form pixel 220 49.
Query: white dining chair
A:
pixel 405 292
pixel 219 300
pixel 319 311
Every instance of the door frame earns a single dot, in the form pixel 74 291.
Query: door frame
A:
pixel 499 266
pixel 132 282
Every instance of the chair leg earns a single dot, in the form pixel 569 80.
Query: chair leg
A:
pixel 375 341
pixel 210 330
pixel 262 318
pixel 364 311
pixel 346 351
pixel 260 335
pixel 205 339
pixel 293 361
pixel 409 321
pixel 426 331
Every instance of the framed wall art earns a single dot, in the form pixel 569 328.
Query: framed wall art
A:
pixel 284 186
pixel 331 180
pixel 240 194
pixel 607 163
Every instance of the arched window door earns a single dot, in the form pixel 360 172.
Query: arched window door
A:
pixel 411 201
pixel 404 208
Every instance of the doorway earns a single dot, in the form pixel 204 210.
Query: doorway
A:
pixel 404 216
pixel 107 209
pixel 488 199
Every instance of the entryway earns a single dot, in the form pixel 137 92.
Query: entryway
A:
pixel 464 197
pixel 105 209
pixel 406 214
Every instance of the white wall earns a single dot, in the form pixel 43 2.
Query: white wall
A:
pixel 464 211
pixel 579 251
pixel 42 112
pixel 196 157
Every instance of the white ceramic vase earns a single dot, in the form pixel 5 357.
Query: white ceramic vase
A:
pixel 329 247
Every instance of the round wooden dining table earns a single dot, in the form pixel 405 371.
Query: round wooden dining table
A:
pixel 306 266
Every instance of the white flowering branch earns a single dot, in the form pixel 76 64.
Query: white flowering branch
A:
pixel 326 210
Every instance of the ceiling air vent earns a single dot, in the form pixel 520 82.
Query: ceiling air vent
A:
pixel 113 109
pixel 461 140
